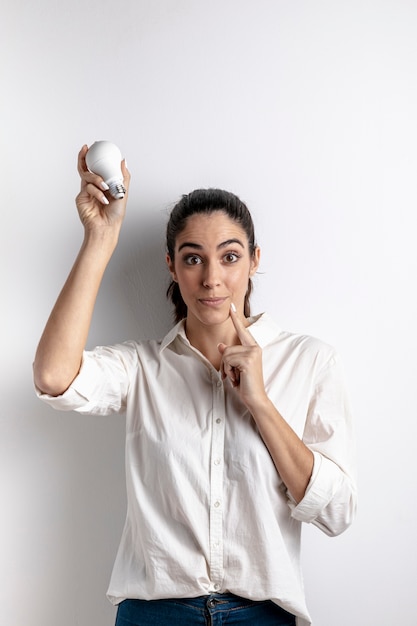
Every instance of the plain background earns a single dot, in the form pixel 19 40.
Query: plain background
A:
pixel 307 110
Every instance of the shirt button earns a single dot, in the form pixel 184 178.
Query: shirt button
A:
pixel 218 420
pixel 219 383
pixel 216 461
pixel 217 504
pixel 216 586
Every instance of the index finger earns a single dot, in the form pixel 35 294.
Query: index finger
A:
pixel 81 165
pixel 244 335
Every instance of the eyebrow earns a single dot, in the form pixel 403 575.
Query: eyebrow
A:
pixel 197 246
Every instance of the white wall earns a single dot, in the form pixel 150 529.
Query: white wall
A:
pixel 308 111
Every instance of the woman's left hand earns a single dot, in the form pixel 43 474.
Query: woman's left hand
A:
pixel 242 365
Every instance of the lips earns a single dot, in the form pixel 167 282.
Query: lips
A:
pixel 213 302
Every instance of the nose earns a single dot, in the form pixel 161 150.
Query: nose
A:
pixel 211 277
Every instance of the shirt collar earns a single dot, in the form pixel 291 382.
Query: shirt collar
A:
pixel 177 331
pixel 262 328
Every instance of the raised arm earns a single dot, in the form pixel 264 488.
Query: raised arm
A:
pixel 59 354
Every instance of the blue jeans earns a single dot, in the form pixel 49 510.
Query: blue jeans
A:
pixel 214 610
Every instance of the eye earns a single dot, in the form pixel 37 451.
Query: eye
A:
pixel 192 259
pixel 231 257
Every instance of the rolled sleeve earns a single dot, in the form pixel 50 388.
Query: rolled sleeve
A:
pixel 330 499
pixel 100 386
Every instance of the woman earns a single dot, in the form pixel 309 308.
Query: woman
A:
pixel 237 432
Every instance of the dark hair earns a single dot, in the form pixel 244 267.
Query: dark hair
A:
pixel 206 201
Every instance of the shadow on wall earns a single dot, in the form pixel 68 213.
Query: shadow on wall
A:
pixel 146 276
pixel 147 279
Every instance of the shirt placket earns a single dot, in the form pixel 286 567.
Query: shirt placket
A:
pixel 216 483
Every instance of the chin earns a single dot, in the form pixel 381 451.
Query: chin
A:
pixel 212 318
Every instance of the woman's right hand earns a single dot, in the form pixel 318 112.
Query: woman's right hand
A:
pixel 59 354
pixel 98 210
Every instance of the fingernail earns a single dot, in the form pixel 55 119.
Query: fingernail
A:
pixel 104 186
pixel 232 306
pixel 104 200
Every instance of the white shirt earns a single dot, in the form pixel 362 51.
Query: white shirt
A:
pixel 207 511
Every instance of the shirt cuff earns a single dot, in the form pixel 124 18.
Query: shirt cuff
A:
pixel 324 483
pixel 76 396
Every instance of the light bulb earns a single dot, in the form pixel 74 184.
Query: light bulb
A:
pixel 104 158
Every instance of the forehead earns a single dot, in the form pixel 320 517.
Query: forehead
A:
pixel 213 228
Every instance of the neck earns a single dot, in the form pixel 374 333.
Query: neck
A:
pixel 206 338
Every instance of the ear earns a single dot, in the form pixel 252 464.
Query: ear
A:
pixel 171 267
pixel 255 260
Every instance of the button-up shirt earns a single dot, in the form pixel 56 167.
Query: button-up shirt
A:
pixel 206 508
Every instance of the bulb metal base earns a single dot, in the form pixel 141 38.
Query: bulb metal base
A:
pixel 117 190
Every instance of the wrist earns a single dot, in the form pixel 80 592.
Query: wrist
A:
pixel 261 406
pixel 104 240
